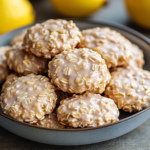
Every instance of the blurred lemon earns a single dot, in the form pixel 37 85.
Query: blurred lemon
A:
pixel 14 14
pixel 139 11
pixel 77 8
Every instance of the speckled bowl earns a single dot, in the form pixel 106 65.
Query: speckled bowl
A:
pixel 127 122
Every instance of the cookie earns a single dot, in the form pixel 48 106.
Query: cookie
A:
pixel 51 37
pixel 111 45
pixel 29 98
pixel 87 110
pixel 137 59
pixel 79 70
pixel 50 121
pixel 24 63
pixel 130 89
pixel 10 78
pixel 4 71
pixel 18 38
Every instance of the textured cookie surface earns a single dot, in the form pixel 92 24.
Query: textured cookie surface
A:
pixel 111 45
pixel 29 98
pixel 50 121
pixel 130 88
pixel 10 78
pixel 79 70
pixel 24 63
pixel 18 38
pixel 51 37
pixel 137 57
pixel 3 64
pixel 87 110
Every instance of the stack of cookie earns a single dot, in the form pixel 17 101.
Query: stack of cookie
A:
pixel 56 76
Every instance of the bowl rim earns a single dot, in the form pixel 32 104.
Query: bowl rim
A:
pixel 103 23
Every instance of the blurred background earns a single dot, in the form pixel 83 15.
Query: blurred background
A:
pixel 132 13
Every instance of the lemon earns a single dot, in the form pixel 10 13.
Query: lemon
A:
pixel 76 8
pixel 14 14
pixel 139 11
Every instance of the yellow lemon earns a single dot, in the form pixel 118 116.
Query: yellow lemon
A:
pixel 139 11
pixel 14 14
pixel 76 8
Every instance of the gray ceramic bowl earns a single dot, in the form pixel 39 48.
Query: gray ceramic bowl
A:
pixel 128 121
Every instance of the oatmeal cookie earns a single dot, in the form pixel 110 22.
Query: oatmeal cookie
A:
pixel 79 70
pixel 10 78
pixel 50 121
pixel 137 59
pixel 111 45
pixel 87 110
pixel 130 89
pixel 24 63
pixel 51 37
pixel 29 98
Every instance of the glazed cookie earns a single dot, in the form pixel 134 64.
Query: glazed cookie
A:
pixel 24 63
pixel 130 89
pixel 3 64
pixel 10 78
pixel 137 59
pixel 18 38
pixel 111 45
pixel 87 110
pixel 79 70
pixel 50 121
pixel 51 37
pixel 29 98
